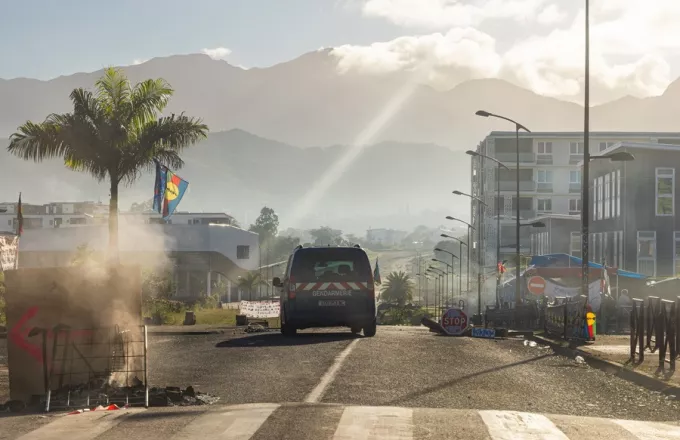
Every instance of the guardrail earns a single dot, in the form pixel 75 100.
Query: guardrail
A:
pixel 654 327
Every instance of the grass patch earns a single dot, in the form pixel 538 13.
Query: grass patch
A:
pixel 226 317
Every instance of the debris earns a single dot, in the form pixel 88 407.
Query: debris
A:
pixel 579 360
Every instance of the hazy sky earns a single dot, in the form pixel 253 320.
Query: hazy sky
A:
pixel 537 44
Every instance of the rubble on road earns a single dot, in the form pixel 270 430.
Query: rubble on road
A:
pixel 104 393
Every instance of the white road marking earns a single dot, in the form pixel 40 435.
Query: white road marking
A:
pixel 329 375
pixel 650 430
pixel 235 424
pixel 514 425
pixel 85 426
pixel 375 423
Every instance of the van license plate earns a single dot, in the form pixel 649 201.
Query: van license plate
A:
pixel 331 303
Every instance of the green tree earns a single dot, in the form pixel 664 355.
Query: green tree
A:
pixel 114 133
pixel 266 226
pixel 282 247
pixel 397 289
pixel 145 206
pixel 250 283
pixel 325 236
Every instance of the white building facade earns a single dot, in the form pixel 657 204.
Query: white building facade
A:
pixel 549 175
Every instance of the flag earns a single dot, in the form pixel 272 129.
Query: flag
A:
pixel 20 218
pixel 376 273
pixel 159 187
pixel 175 187
pixel 501 268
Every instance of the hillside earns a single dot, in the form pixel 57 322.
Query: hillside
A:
pixel 237 172
pixel 306 102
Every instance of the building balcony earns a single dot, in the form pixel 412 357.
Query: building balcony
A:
pixel 524 185
pixel 574 188
pixel 544 159
pixel 544 187
pixel 510 158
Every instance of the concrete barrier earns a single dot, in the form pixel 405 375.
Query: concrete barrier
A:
pixel 64 325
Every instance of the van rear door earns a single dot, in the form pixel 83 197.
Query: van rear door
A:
pixel 336 280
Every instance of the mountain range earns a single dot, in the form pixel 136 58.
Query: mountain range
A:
pixel 389 184
pixel 309 102
pixel 278 131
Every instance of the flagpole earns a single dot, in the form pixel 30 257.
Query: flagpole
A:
pixel 19 231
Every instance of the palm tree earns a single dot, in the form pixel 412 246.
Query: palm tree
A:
pixel 113 133
pixel 251 282
pixel 398 288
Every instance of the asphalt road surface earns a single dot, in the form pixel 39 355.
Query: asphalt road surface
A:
pixel 330 384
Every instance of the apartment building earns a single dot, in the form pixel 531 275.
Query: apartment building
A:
pixel 549 177
pixel 71 214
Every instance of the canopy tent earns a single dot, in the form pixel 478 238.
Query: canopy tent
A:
pixel 565 260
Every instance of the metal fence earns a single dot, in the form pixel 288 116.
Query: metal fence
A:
pixel 101 366
pixel 654 327
pixel 566 317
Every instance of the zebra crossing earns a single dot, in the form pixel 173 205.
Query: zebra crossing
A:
pixel 339 422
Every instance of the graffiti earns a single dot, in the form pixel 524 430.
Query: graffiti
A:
pixel 22 334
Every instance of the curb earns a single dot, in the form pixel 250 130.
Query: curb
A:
pixel 610 367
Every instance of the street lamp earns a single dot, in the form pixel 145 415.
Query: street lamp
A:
pixel 447 292
pixel 422 275
pixel 460 262
pixel 442 276
pixel 518 127
pixel 470 228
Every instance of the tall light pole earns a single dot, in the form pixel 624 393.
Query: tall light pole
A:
pixel 460 262
pixel 585 175
pixel 499 165
pixel 518 127
pixel 448 266
pixel 479 262
pixel 422 275
pixel 442 276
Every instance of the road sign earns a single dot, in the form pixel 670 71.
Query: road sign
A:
pixel 536 285
pixel 479 332
pixel 454 321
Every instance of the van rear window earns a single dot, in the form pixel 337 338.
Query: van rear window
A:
pixel 332 264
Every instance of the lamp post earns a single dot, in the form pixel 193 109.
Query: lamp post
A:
pixel 479 268
pixel 441 275
pixel 447 292
pixel 518 127
pixel 421 275
pixel 499 165
pixel 460 262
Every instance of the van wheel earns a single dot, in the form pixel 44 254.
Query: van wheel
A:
pixel 370 329
pixel 355 330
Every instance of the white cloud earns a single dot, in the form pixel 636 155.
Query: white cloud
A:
pixel 138 61
pixel 551 15
pixel 631 42
pixel 442 14
pixel 218 53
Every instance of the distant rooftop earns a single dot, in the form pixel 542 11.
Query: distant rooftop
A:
pixel 593 134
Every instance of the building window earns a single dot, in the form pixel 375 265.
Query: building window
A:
pixel 676 252
pixel 576 148
pixel 618 193
pixel 575 176
pixel 595 193
pixel 615 250
pixel 575 244
pixel 544 205
pixel 622 262
pixel 574 206
pixel 607 195
pixel 544 148
pixel 544 179
pixel 665 191
pixel 646 253
pixel 242 252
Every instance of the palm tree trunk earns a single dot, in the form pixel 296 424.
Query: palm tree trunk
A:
pixel 113 221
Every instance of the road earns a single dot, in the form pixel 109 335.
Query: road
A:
pixel 404 373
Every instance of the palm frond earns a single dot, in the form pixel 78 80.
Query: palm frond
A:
pixel 163 139
pixel 147 100
pixel 37 141
pixel 113 91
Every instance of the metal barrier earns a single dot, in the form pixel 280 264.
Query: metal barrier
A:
pixel 70 379
pixel 566 317
pixel 654 327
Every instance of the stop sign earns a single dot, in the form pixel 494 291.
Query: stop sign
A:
pixel 454 321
